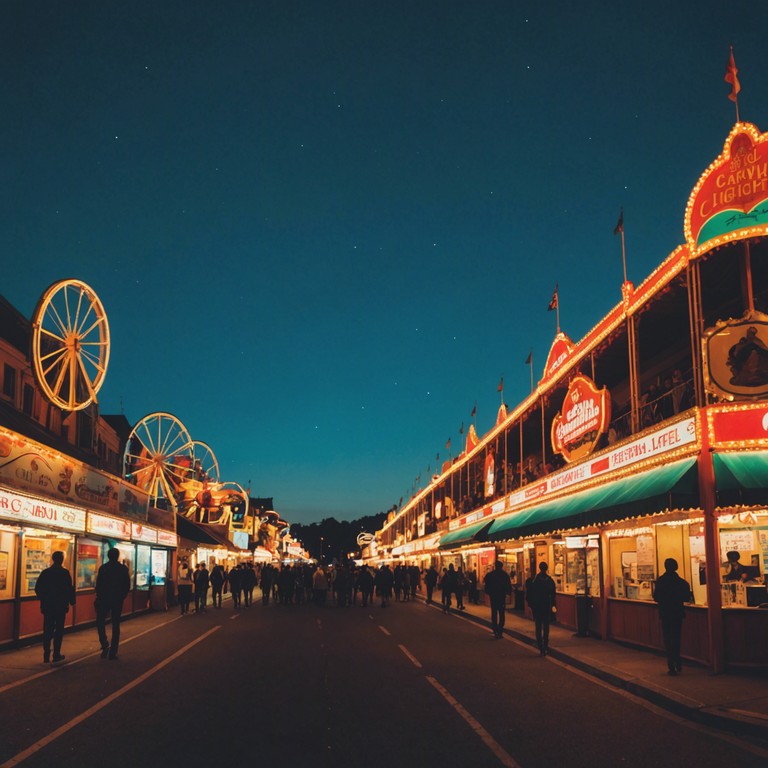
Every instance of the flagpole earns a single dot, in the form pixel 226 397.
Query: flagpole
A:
pixel 530 365
pixel 557 314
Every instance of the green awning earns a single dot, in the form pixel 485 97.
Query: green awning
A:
pixel 741 469
pixel 624 497
pixel 465 535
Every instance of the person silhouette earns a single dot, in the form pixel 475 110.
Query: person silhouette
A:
pixel 113 583
pixel 56 594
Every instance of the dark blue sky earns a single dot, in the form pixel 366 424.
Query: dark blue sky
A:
pixel 323 230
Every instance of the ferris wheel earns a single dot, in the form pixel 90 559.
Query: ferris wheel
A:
pixel 159 456
pixel 70 344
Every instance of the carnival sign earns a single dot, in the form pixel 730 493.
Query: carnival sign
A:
pixel 584 418
pixel 747 426
pixel 736 358
pixel 26 509
pixel 730 201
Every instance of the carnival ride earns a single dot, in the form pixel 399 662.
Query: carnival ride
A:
pixel 163 460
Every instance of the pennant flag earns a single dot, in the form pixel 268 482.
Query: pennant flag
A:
pixel 553 303
pixel 437 460
pixel 620 224
pixel 731 76
pixel 461 428
pixel 401 502
pixel 500 388
pixel 474 412
pixel 448 445
pixel 529 359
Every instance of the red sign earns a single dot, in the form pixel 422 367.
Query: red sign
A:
pixel 584 418
pixel 559 352
pixel 739 427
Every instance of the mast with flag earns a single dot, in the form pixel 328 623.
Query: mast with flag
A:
pixel 474 413
pixel 554 303
pixel 619 229
pixel 731 76
pixel 500 388
pixel 529 363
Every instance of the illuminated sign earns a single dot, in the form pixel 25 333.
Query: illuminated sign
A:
pixel 730 201
pixel 240 539
pixel 167 539
pixel 739 427
pixel 143 533
pixel 559 352
pixel 40 512
pixel 584 418
pixel 108 526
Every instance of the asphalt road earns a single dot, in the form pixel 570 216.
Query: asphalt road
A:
pixel 308 686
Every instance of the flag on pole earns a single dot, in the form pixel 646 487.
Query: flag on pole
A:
pixel 553 302
pixel 474 412
pixel 448 445
pixel 619 228
pixel 461 428
pixel 529 359
pixel 500 388
pixel 731 76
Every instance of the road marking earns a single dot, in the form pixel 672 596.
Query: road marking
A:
pixel 38 745
pixel 504 757
pixel 51 670
pixel 234 616
pixel 414 660
pixel 319 624
pixel 385 631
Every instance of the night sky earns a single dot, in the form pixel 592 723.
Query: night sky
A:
pixel 322 231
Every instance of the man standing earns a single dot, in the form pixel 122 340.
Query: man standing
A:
pixel 670 593
pixel 54 588
pixel 497 586
pixel 113 583
pixel 202 584
pixel 430 580
pixel 184 581
pixel 540 596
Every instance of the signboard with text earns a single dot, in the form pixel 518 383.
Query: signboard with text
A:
pixel 583 419
pixel 26 509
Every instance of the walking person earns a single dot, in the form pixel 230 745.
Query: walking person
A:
pixel 235 584
pixel 113 583
pixel 56 593
pixel 202 583
pixel 430 580
pixel 461 584
pixel 540 596
pixel 184 583
pixel 448 584
pixel 384 581
pixel 365 584
pixel 671 592
pixel 248 582
pixel 497 586
pixel 217 584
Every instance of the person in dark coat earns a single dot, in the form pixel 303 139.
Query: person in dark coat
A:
pixel 540 596
pixel 365 585
pixel 217 584
pixel 671 592
pixel 202 580
pixel 384 582
pixel 449 584
pixel 430 580
pixel 236 584
pixel 54 588
pixel 497 586
pixel 113 583
pixel 248 583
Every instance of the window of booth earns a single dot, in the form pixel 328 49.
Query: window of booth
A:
pixel 637 555
pixel 8 541
pixel 36 550
pixel 89 559
pixel 143 566
pixel 127 555
pixel 159 566
pixel 743 540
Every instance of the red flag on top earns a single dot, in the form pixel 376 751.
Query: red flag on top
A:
pixel 500 388
pixel 620 224
pixel 553 301
pixel 731 76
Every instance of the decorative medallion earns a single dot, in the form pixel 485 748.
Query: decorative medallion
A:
pixel 583 419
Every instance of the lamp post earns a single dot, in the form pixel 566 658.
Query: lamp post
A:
pixel 321 550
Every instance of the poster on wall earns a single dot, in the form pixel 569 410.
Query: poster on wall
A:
pixel 87 562
pixel 37 553
pixel 3 571
pixel 645 558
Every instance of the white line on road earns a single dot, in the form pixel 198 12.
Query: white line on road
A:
pixel 234 616
pixel 50 670
pixel 504 756
pixel 385 631
pixel 38 745
pixel 414 660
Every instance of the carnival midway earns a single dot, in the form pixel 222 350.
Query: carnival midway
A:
pixel 645 440
pixel 76 481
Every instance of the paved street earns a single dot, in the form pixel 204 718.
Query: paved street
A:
pixel 309 686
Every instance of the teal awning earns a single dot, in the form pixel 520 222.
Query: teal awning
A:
pixel 588 507
pixel 465 535
pixel 741 469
